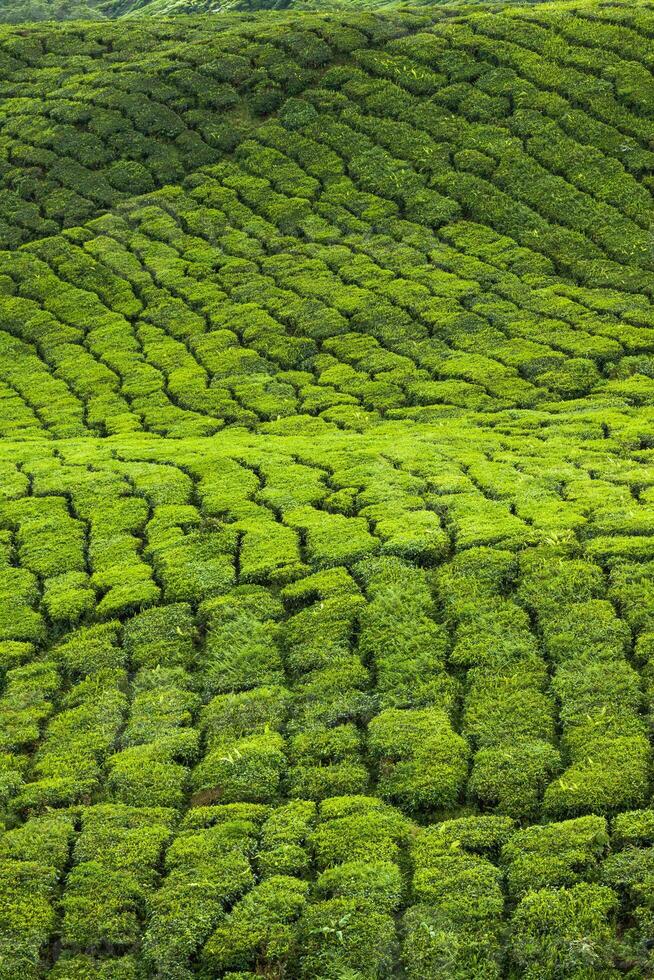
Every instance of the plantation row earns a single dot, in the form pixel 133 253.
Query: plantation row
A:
pixel 253 858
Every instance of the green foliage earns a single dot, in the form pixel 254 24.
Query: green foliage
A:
pixel 512 779
pixel 260 927
pixel 398 634
pixel 18 11
pixel 434 947
pixel 564 932
pixel 28 917
pixel 114 860
pixel 422 762
pixel 554 855
pixel 206 868
pixel 161 637
pixel 248 769
pixel 326 490
pixel 347 934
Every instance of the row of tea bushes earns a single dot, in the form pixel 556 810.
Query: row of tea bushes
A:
pixel 605 748
pixel 314 890
pixel 507 711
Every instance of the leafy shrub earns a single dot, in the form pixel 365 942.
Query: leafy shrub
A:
pixel 263 924
pixel 422 761
pixel 249 769
pixel 206 870
pixel 563 931
pixel 554 855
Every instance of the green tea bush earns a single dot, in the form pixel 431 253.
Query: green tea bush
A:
pixel 19 621
pixel 284 840
pixel 331 538
pixel 554 930
pixel 558 854
pixel 68 597
pixel 455 924
pixel 248 769
pixel 513 778
pixel 29 916
pixel 116 855
pixel 325 750
pixel 346 934
pixel 357 892
pixel 27 703
pixel 206 868
pixel 161 637
pixel 240 650
pixel 422 761
pixel 67 767
pixel 399 636
pixel 262 924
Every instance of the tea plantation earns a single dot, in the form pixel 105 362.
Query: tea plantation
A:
pixel 327 494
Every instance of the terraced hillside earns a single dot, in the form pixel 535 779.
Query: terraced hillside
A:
pixel 19 11
pixel 327 497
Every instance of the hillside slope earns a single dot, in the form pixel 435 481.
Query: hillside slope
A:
pixel 326 412
pixel 20 11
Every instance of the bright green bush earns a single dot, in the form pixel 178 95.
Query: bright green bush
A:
pixel 612 779
pixel 434 947
pixel 346 934
pixel 513 778
pixel 240 650
pixel 331 538
pixel 27 703
pixel 422 761
pixel 162 636
pixel 116 857
pixel 557 932
pixel 399 636
pixel 68 598
pixel 284 840
pixel 261 925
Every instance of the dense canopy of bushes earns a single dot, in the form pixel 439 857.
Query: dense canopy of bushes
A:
pixel 18 11
pixel 327 495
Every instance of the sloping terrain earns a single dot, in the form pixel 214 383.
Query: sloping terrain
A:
pixel 19 11
pixel 327 498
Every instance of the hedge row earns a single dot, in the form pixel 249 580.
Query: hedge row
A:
pixel 603 740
